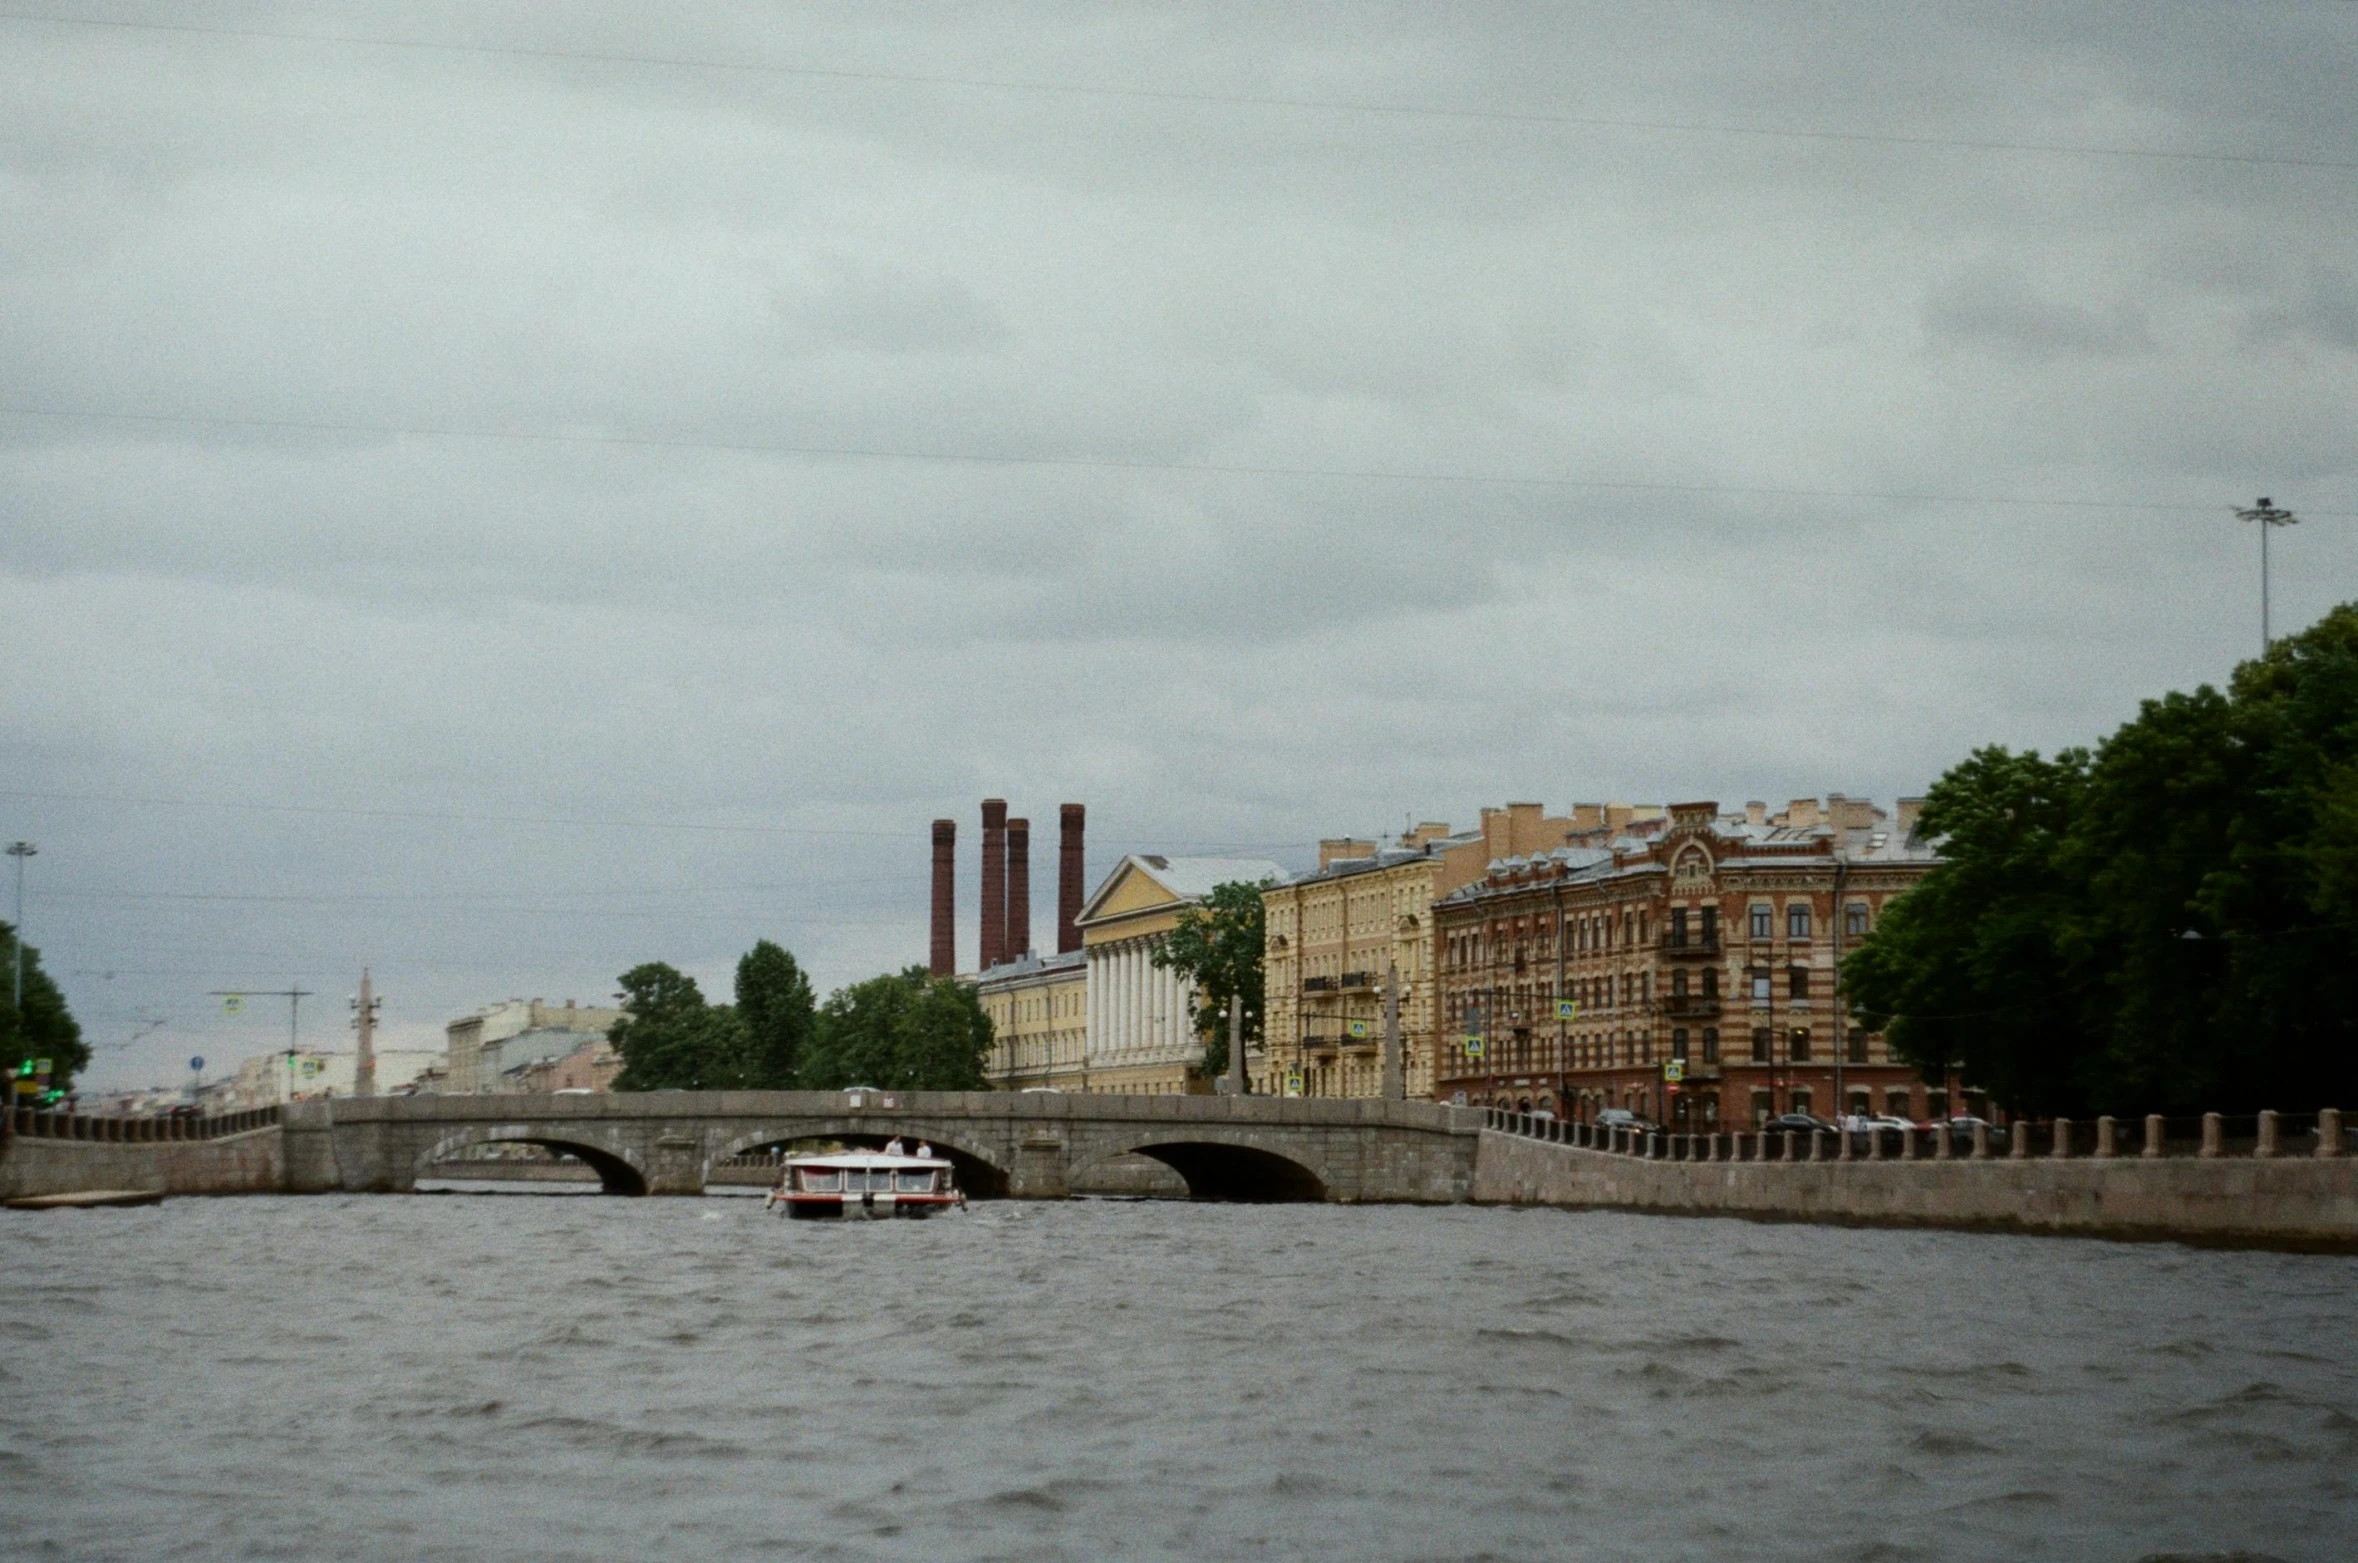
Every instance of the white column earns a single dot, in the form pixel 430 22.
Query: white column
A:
pixel 1093 983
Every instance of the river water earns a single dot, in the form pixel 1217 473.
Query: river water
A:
pixel 474 1377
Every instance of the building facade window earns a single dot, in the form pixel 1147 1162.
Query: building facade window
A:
pixel 1854 920
pixel 1797 984
pixel 1763 1105
pixel 1711 925
pixel 1895 1103
pixel 1856 1051
pixel 1761 1036
pixel 1678 1042
pixel 1797 922
pixel 1798 1043
pixel 1761 996
pixel 1764 923
pixel 1711 982
pixel 1678 927
pixel 1711 1044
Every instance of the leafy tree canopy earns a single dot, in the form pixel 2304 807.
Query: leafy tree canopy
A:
pixel 44 1028
pixel 906 1030
pixel 670 1039
pixel 775 1006
pixel 2158 926
pixel 1217 947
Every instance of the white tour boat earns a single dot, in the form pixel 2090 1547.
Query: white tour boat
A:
pixel 854 1184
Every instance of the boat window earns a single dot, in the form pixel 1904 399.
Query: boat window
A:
pixel 819 1182
pixel 916 1182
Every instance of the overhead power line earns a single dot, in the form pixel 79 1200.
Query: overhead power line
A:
pixel 1094 463
pixel 1223 99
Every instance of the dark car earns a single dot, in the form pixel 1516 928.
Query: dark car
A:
pixel 1797 1123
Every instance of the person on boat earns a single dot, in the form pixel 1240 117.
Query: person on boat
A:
pixel 924 1150
pixel 892 1147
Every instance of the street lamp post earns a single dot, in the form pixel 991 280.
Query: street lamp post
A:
pixel 20 850
pixel 2269 516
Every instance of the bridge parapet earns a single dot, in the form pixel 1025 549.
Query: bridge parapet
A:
pixel 1024 1144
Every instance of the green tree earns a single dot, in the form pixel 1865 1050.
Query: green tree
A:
pixel 44 1028
pixel 1217 947
pixel 670 1039
pixel 2163 925
pixel 906 1030
pixel 775 1007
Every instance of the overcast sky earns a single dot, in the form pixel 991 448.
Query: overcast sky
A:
pixel 500 492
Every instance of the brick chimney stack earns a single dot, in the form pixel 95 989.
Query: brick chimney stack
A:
pixel 1019 889
pixel 994 884
pixel 1069 890
pixel 943 960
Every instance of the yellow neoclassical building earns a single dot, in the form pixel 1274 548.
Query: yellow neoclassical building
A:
pixel 1141 1017
pixel 1331 936
pixel 1039 1009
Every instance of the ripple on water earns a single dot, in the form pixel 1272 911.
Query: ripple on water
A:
pixel 549 1379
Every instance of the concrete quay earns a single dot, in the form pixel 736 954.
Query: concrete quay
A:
pixel 2306 1202
pixel 249 1160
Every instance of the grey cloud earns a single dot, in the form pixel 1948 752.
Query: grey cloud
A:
pixel 484 630
pixel 1995 306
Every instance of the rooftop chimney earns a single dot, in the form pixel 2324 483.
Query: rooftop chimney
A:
pixel 1755 813
pixel 1070 818
pixel 943 959
pixel 1909 809
pixel 994 884
pixel 1801 814
pixel 1340 849
pixel 1019 889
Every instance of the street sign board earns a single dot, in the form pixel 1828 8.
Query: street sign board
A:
pixel 1567 1009
pixel 1473 1047
pixel 1357 1028
pixel 197 1062
pixel 1293 1082
pixel 231 1003
pixel 1674 1069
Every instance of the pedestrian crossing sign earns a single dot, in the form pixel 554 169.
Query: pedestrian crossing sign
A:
pixel 1357 1028
pixel 1567 1009
pixel 1473 1047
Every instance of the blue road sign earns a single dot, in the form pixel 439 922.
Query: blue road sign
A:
pixel 197 1062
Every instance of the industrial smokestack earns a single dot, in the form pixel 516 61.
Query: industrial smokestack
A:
pixel 1070 818
pixel 1019 888
pixel 944 956
pixel 994 884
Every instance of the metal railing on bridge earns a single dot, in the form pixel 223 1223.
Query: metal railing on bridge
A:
pixel 2253 1135
pixel 109 1129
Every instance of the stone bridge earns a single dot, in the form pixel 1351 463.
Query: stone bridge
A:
pixel 1019 1145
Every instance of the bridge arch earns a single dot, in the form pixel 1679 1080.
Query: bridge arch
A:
pixel 979 1175
pixel 1216 1167
pixel 617 1172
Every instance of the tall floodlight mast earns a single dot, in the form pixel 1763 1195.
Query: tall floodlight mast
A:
pixel 2269 517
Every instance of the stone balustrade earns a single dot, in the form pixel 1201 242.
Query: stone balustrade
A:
pixel 2059 1139
pixel 111 1129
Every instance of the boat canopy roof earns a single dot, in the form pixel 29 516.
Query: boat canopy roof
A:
pixel 868 1159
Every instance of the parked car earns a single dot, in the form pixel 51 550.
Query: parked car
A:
pixel 1609 1118
pixel 1961 1130
pixel 1797 1123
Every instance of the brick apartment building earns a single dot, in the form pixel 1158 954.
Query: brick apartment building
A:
pixel 1680 967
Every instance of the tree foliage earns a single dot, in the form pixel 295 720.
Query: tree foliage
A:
pixel 44 1028
pixel 906 1030
pixel 1217 947
pixel 2159 925
pixel 670 1039
pixel 774 1005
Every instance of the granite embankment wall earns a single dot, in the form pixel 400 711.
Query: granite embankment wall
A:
pixel 2291 1202
pixel 250 1163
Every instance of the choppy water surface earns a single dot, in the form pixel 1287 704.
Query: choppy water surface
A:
pixel 551 1378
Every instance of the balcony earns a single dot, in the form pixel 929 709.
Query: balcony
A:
pixel 1318 985
pixel 1690 1007
pixel 1358 979
pixel 1690 945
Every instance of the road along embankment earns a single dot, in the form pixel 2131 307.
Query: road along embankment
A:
pixel 2305 1202
pixel 248 1161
